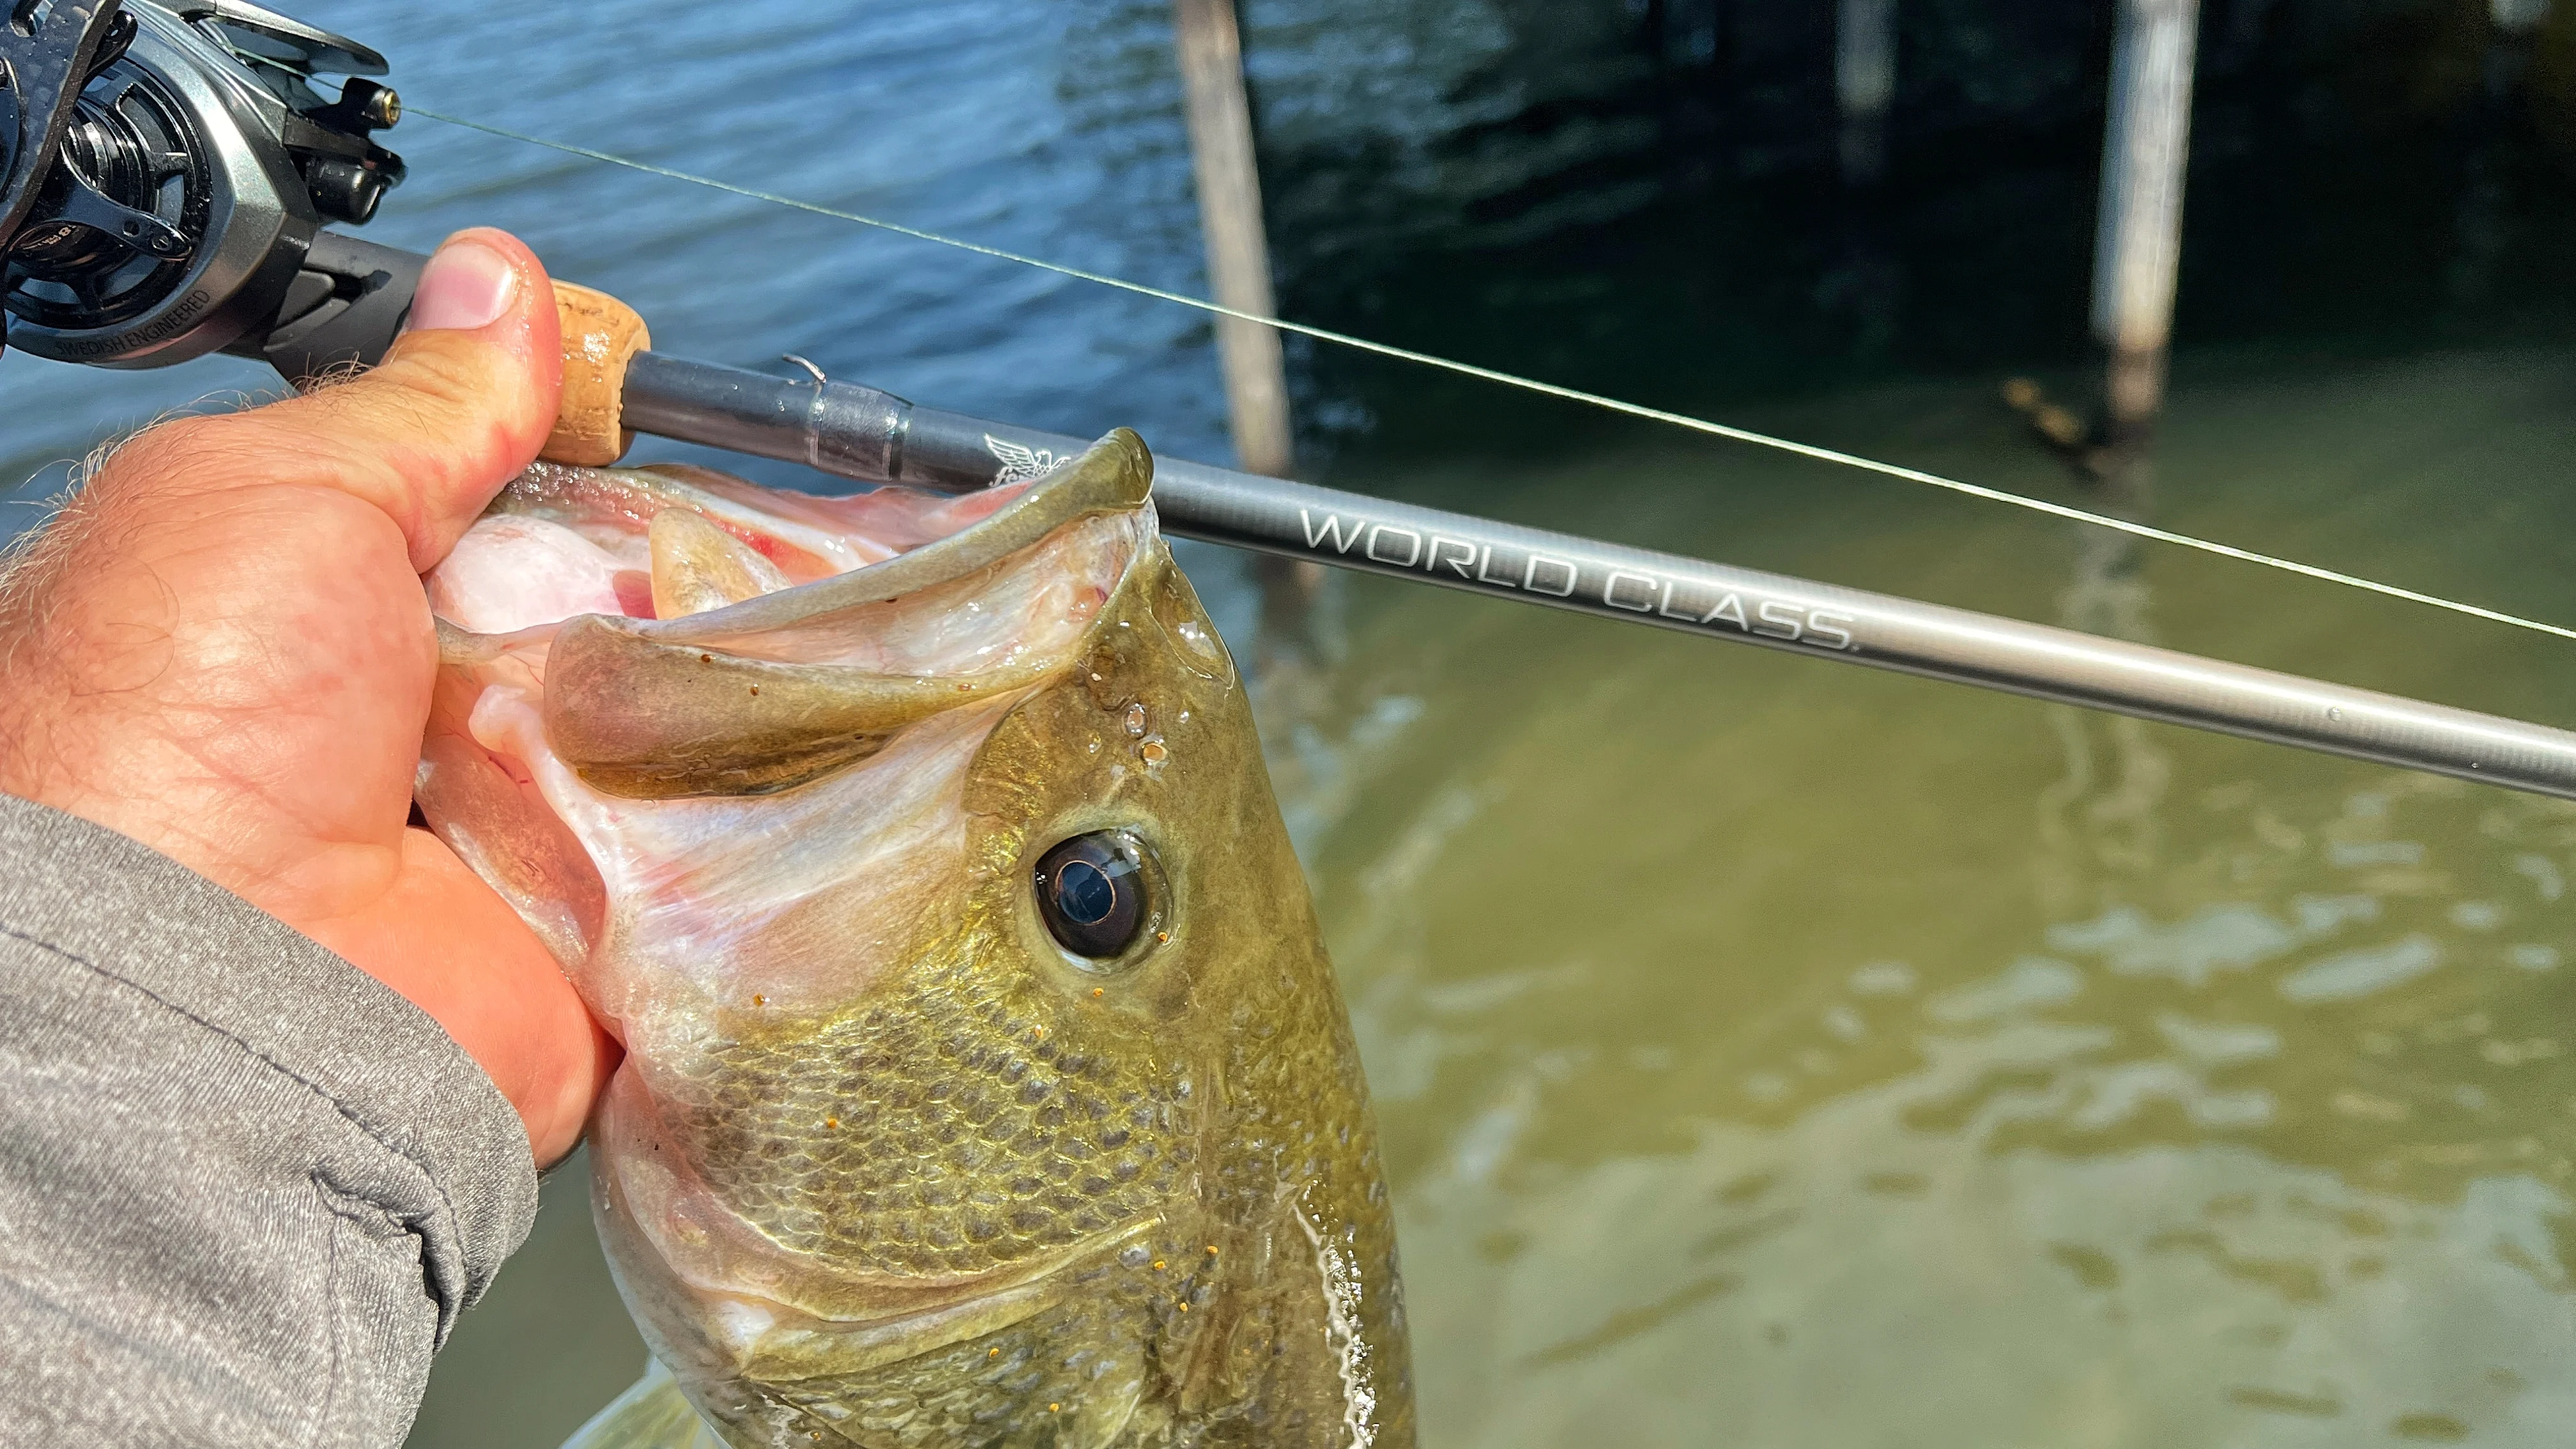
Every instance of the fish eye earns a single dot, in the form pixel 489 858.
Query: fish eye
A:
pixel 1092 893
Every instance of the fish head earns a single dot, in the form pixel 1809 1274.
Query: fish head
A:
pixel 986 1078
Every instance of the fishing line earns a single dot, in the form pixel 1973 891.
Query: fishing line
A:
pixel 1531 384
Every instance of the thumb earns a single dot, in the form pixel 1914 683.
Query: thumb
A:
pixel 459 406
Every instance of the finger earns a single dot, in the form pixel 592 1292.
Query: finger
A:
pixel 459 406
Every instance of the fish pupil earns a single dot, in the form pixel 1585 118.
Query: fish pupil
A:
pixel 1084 893
pixel 1093 893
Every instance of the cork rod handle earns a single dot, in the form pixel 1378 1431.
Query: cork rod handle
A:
pixel 600 336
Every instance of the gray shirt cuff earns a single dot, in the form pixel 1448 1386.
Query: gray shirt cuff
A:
pixel 245 1188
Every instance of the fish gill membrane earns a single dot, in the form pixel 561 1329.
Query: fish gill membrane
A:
pixel 986 1082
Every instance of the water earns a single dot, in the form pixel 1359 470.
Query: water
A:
pixel 1768 1053
pixel 1777 1055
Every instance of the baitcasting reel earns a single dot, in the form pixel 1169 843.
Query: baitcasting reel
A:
pixel 166 168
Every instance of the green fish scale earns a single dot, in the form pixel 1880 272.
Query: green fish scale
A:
pixel 957 1132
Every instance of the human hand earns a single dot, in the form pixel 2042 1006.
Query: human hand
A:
pixel 222 650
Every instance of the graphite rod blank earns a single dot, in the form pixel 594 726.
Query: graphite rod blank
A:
pixel 861 433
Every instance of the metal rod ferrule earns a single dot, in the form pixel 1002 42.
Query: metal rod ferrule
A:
pixel 849 432
pixel 861 433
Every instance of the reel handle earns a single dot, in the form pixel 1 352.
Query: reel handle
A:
pixel 347 304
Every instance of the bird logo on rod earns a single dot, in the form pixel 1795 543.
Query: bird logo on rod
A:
pixel 1020 464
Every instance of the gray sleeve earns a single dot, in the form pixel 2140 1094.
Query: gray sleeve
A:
pixel 245 1189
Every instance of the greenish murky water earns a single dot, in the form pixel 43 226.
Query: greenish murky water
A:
pixel 1769 1053
pixel 1776 1054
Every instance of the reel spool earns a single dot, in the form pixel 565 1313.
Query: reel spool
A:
pixel 183 208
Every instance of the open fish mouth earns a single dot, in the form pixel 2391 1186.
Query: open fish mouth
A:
pixel 867 548
pixel 649 632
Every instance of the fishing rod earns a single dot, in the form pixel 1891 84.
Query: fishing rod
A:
pixel 170 168
pixel 872 436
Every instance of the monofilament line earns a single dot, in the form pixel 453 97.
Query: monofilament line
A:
pixel 1530 384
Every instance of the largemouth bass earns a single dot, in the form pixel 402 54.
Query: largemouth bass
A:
pixel 986 1081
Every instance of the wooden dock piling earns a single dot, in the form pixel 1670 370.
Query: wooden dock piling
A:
pixel 2516 26
pixel 1238 251
pixel 1238 261
pixel 2140 239
pixel 2518 17
pixel 1864 83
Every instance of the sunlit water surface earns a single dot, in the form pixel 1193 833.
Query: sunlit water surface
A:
pixel 1768 1053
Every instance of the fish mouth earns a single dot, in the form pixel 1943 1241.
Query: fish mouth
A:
pixel 1114 475
pixel 789 682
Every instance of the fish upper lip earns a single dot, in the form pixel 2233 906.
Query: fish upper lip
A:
pixel 1113 475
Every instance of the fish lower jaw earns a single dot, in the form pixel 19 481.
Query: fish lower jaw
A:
pixel 759 1338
